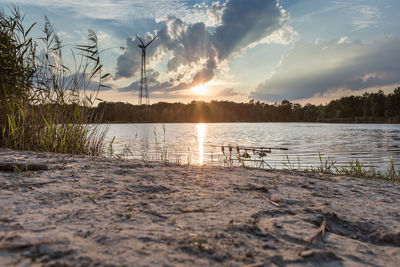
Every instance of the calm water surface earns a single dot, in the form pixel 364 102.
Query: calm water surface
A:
pixel 200 143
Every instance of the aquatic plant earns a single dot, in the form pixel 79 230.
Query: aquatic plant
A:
pixel 161 148
pixel 44 105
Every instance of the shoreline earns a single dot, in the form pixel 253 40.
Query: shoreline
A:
pixel 92 210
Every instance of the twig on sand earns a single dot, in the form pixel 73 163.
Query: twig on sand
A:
pixel 257 264
pixel 188 210
pixel 5 243
pixel 275 203
pixel 16 166
pixel 26 184
pixel 7 236
pixel 24 245
pixel 313 239
pixel 92 198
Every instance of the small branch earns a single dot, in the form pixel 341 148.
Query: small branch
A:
pixel 26 184
pixel 273 202
pixel 15 166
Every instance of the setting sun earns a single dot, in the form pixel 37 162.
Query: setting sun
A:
pixel 200 89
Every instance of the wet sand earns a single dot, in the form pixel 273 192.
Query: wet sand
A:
pixel 87 211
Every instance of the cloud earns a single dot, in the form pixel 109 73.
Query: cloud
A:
pixel 157 86
pixel 367 16
pixel 246 22
pixel 192 60
pixel 129 63
pixel 342 40
pixel 227 92
pixel 194 52
pixel 83 82
pixel 212 13
pixel 114 9
pixel 284 35
pixel 315 68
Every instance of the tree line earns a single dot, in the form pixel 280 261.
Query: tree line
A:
pixel 368 108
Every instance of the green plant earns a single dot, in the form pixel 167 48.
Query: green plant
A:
pixel 326 165
pixel 111 152
pixel 43 104
pixel 288 165
pixel 392 173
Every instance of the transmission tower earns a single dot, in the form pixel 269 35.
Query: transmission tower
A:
pixel 144 90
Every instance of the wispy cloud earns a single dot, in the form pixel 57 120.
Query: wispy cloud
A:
pixel 115 9
pixel 365 16
pixel 361 14
pixel 227 92
pixel 315 68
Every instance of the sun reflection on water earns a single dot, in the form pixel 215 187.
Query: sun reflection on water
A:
pixel 201 132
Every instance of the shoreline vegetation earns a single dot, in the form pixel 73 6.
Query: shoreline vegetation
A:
pixel 235 156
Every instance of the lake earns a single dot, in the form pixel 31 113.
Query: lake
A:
pixel 198 144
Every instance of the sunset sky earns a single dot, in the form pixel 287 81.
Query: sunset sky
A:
pixel 303 51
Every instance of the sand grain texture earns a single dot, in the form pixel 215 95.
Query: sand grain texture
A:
pixel 86 211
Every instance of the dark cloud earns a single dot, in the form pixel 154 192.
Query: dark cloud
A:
pixel 227 92
pixel 314 68
pixel 246 22
pixel 196 52
pixel 128 63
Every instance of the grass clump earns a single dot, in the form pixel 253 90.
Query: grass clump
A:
pixel 356 168
pixel 45 105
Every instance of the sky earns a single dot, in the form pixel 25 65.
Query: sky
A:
pixel 307 51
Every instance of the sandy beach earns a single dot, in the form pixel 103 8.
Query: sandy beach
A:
pixel 91 211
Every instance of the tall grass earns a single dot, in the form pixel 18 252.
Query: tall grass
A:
pixel 45 105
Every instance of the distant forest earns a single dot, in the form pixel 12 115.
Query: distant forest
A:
pixel 368 108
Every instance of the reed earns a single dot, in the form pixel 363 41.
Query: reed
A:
pixel 44 105
pixel 161 152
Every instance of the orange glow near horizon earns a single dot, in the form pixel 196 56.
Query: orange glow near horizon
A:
pixel 201 132
pixel 201 89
